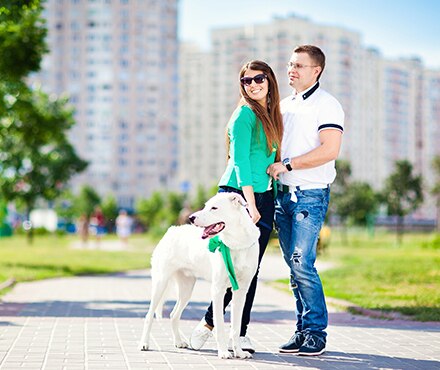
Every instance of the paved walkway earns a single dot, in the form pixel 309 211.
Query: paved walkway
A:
pixel 95 322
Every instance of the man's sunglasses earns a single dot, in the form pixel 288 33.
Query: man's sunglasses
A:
pixel 259 79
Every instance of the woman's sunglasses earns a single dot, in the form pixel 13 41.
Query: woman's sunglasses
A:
pixel 259 79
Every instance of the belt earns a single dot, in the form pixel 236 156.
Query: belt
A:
pixel 292 188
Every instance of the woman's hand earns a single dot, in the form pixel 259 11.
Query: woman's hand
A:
pixel 253 211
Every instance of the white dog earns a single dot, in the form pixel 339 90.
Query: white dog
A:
pixel 183 255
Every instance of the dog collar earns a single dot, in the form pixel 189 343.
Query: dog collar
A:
pixel 214 244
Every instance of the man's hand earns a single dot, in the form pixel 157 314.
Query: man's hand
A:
pixel 275 169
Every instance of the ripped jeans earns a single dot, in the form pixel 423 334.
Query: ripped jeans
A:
pixel 298 224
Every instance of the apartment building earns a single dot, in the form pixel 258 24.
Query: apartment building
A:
pixel 118 62
pixel 391 106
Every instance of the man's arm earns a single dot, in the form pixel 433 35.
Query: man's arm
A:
pixel 326 152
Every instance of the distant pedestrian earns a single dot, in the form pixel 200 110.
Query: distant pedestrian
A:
pixel 123 226
pixel 313 125
pixel 82 228
pixel 97 224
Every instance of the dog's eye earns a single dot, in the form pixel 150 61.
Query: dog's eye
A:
pixel 213 208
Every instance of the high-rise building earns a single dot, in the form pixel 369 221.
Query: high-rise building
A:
pixel 118 60
pixel 391 106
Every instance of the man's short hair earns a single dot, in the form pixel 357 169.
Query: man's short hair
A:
pixel 314 53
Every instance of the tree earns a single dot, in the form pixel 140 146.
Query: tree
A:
pixel 36 158
pixel 361 202
pixel 402 194
pixel 22 38
pixel 110 210
pixel 436 189
pixel 86 201
pixel 148 210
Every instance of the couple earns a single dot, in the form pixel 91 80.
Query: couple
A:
pixel 288 149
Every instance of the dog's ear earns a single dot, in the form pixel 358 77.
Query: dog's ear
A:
pixel 238 200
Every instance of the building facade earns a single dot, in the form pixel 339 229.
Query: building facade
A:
pixel 117 61
pixel 391 106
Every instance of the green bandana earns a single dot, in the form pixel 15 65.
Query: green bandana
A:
pixel 214 244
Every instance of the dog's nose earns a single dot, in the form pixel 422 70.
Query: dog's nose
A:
pixel 192 218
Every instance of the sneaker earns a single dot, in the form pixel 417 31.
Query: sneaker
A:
pixel 312 346
pixel 200 335
pixel 246 344
pixel 294 343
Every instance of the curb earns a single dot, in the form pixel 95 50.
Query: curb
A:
pixel 376 314
pixel 8 283
pixel 353 308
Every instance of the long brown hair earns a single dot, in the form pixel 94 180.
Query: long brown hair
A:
pixel 270 117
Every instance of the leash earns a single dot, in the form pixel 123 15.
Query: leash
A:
pixel 214 244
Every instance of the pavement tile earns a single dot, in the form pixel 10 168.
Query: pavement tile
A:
pixel 95 322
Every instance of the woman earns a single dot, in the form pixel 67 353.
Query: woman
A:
pixel 253 139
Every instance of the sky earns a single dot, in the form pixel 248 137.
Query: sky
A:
pixel 397 28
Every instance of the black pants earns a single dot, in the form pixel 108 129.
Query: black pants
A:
pixel 266 207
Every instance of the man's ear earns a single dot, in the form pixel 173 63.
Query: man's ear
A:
pixel 238 200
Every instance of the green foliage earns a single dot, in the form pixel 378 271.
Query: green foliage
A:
pixel 51 256
pixel 353 202
pixel 372 273
pixel 433 243
pixel 199 200
pixel 175 204
pixel 402 194
pixel 162 210
pixel 361 202
pixel 403 191
pixel 36 158
pixel 148 210
pixel 64 206
pixel 436 188
pixel 109 208
pixel 22 38
pixel 86 201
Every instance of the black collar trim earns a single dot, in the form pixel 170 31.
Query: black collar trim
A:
pixel 311 91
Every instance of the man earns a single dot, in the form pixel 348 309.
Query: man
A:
pixel 313 125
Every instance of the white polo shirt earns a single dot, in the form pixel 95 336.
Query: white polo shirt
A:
pixel 305 114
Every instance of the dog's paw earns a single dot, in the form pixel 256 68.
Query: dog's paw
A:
pixel 181 344
pixel 143 347
pixel 242 354
pixel 224 354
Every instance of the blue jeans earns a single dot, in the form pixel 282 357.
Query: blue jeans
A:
pixel 298 225
pixel 265 205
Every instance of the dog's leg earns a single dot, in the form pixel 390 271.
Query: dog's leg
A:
pixel 185 286
pixel 238 300
pixel 158 288
pixel 219 321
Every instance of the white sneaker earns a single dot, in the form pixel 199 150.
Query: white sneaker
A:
pixel 246 344
pixel 200 335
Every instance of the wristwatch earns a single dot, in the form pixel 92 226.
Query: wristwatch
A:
pixel 286 162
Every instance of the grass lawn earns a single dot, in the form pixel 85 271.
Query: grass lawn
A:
pixel 52 256
pixel 376 273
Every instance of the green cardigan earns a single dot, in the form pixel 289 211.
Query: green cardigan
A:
pixel 248 157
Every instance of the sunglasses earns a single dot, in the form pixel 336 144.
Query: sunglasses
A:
pixel 259 79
